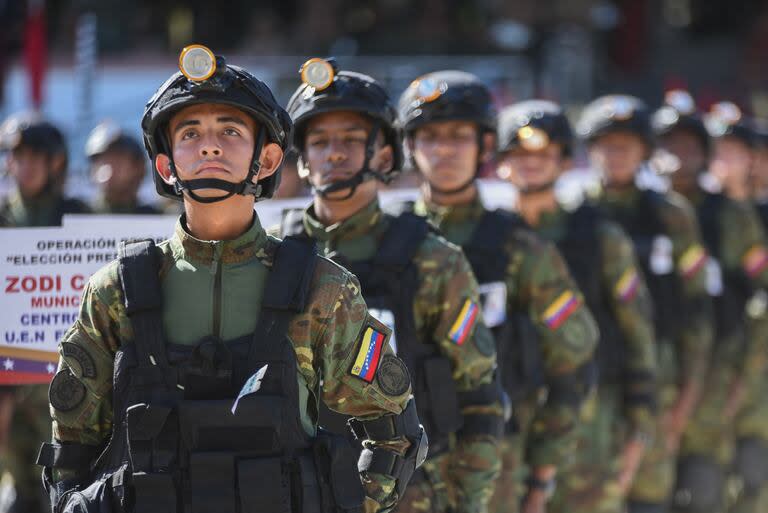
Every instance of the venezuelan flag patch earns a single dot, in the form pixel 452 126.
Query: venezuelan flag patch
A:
pixel 626 287
pixel 692 260
pixel 367 360
pixel 463 323
pixel 755 260
pixel 562 308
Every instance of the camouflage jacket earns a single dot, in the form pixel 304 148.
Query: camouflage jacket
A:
pixel 743 252
pixel 446 283
pixel 537 277
pixel 46 210
pixel 625 294
pixel 327 336
pixel 686 359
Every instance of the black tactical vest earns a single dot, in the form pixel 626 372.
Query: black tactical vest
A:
pixel 644 225
pixel 179 445
pixel 389 283
pixel 517 343
pixel 580 247
pixel 729 299
pixel 762 211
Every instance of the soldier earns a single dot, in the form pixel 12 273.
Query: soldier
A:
pixel 37 163
pixel 736 269
pixel 670 254
pixel 545 335
pixel 535 142
pixel 221 340
pixel 417 282
pixel 118 165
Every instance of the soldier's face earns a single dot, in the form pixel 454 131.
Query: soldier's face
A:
pixel 446 152
pixel 212 141
pixel 334 150
pixel 731 163
pixel 532 170
pixel 687 147
pixel 30 169
pixel 118 173
pixel 618 156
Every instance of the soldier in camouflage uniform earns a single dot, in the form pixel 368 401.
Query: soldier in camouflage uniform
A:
pixel 545 335
pixel 728 427
pixel 37 161
pixel 670 254
pixel 118 165
pixel 535 143
pixel 222 340
pixel 419 283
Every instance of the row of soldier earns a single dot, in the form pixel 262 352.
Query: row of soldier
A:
pixel 600 355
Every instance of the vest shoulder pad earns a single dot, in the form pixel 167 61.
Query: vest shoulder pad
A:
pixel 288 283
pixel 139 265
pixel 402 239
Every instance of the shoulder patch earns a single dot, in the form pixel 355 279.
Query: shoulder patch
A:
pixel 626 286
pixel 755 260
pixel 692 260
pixel 66 392
pixel 462 326
pixel 393 376
pixel 367 360
pixel 86 367
pixel 561 309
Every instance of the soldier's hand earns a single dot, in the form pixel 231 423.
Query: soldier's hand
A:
pixel 631 457
pixel 535 501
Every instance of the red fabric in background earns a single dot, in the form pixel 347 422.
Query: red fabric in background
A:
pixel 35 50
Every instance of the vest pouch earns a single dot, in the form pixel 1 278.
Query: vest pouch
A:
pixel 96 498
pixel 264 484
pixel 153 493
pixel 441 401
pixel 212 482
pixel 336 462
pixel 210 425
pixel 145 424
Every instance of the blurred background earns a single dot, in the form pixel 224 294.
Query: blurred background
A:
pixel 83 61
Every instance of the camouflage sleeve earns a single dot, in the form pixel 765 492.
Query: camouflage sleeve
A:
pixel 745 254
pixel 447 309
pixel 630 301
pixel 568 336
pixel 696 338
pixel 81 391
pixel 339 341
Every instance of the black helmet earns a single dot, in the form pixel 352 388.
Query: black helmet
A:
pixel 107 136
pixel 725 119
pixel 446 96
pixel 679 112
pixel 205 78
pixel 326 89
pixel 615 113
pixel 533 124
pixel 31 131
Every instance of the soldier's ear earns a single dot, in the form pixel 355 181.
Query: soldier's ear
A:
pixel 271 157
pixel 383 159
pixel 489 145
pixel 163 167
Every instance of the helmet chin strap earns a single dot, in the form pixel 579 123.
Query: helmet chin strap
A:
pixel 245 188
pixel 364 174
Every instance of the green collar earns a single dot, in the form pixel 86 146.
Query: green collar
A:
pixel 253 244
pixel 362 223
